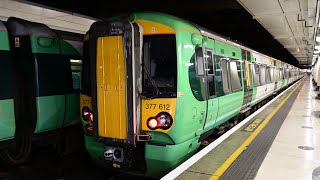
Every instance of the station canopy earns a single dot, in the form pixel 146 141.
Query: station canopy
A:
pixel 55 19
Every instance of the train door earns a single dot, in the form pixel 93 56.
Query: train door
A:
pixel 210 89
pixel 117 52
pixel 247 74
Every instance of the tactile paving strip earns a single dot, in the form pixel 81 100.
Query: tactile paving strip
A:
pixel 248 163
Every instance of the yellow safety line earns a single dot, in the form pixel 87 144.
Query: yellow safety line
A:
pixel 233 157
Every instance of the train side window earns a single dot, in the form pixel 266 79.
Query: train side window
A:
pixel 290 74
pixel 272 74
pixel 209 69
pixel 281 73
pixel 235 76
pixel 225 75
pixel 199 61
pixel 209 62
pixel 275 74
pixel 256 75
pixel 262 74
pixel 268 75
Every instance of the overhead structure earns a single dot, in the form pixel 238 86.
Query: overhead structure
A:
pixel 293 23
pixel 56 19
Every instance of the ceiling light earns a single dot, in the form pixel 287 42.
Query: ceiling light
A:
pixel 317 47
pixel 318 38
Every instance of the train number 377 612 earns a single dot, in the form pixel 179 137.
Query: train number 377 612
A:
pixel 157 106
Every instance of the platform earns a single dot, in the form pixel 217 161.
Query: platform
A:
pixel 280 142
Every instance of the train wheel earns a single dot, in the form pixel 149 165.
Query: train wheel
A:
pixel 19 153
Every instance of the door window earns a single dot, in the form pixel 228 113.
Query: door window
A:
pixel 209 69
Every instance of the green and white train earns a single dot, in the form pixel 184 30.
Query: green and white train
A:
pixel 40 82
pixel 154 85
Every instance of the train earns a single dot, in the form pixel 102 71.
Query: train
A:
pixel 154 85
pixel 40 88
pixel 315 75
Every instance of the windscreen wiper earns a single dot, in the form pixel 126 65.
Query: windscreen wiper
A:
pixel 153 83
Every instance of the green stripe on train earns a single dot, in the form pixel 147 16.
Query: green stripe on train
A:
pixel 50 112
pixel 4 42
pixel 52 46
pixel 7 125
pixel 73 109
pixel 44 45
pixel 68 49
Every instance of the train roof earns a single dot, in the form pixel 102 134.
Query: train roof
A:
pixel 70 35
pixel 19 26
pixel 166 18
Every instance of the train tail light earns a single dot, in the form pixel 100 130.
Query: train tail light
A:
pixel 152 123
pixel 87 114
pixel 162 121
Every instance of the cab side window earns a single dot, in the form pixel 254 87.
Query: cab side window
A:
pixel 199 61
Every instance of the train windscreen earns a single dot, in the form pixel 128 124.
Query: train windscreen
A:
pixel 159 66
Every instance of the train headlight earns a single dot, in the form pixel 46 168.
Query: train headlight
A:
pixel 162 121
pixel 87 114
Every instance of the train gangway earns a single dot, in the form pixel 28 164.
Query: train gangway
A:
pixel 279 141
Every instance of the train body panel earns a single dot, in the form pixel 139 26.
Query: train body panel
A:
pixel 7 126
pixel 7 117
pixel 39 54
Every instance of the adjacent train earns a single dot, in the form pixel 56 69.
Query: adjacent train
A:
pixel 40 85
pixel 315 75
pixel 155 85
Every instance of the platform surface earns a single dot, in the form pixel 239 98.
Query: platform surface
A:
pixel 301 129
pixel 286 147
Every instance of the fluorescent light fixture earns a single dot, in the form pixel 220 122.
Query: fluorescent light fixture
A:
pixel 318 38
pixel 75 61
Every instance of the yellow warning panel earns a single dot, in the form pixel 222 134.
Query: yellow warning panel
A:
pixel 111 88
pixel 152 107
pixel 252 126
pixel 150 27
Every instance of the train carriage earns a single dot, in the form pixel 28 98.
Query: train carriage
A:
pixel 154 85
pixel 41 96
